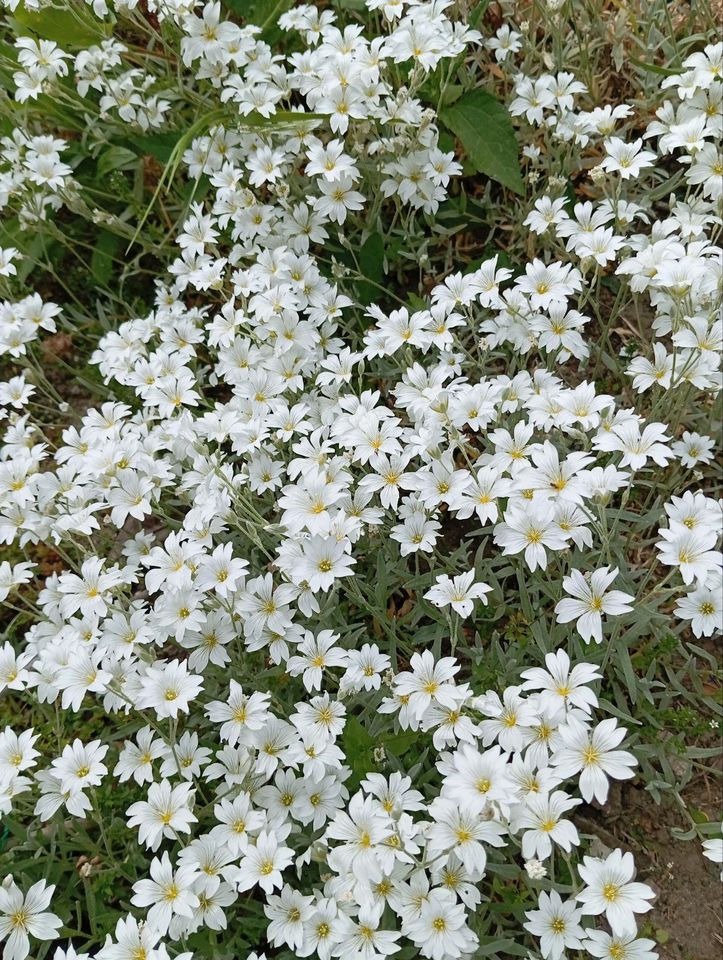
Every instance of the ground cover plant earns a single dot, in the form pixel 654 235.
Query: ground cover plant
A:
pixel 359 505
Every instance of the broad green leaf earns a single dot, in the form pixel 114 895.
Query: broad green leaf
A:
pixel 8 64
pixel 262 13
pixel 69 27
pixel 116 158
pixel 158 145
pixel 101 263
pixel 485 129
pixel 475 16
pixel 399 743
pixel 371 263
pixel 359 749
pixel 415 302
pixel 371 257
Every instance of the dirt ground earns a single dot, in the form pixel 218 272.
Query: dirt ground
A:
pixel 687 919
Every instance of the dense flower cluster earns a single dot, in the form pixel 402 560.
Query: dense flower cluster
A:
pixel 257 445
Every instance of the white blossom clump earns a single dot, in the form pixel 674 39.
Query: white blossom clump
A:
pixel 256 582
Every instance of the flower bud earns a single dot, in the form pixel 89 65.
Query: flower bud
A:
pixel 536 870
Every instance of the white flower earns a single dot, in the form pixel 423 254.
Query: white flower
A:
pixel 169 688
pixel 366 941
pixel 289 914
pixel 80 765
pixel 703 606
pixel 337 198
pixel 593 754
pixel 460 592
pixel 693 448
pixel 13 666
pixel 168 893
pixel 546 211
pixel 532 529
pixel 458 830
pixel 627 159
pixel 561 686
pixel 315 655
pixel 238 821
pixel 263 862
pixel 540 818
pixel 88 592
pixel 557 924
pixel 477 779
pixel 691 551
pixel 549 283
pixel 609 889
pixel 636 445
pixel 440 931
pixel 26 915
pixel 365 668
pixel 427 682
pixel 591 599
pixel 165 813
pixel 133 940
pixel 322 561
pixel 361 831
pixel 624 946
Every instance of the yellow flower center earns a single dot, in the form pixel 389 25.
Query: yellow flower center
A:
pixel 611 892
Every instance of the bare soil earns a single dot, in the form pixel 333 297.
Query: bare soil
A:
pixel 687 919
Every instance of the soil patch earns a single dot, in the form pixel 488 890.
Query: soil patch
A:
pixel 687 919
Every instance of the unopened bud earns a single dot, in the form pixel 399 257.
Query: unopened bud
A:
pixel 536 870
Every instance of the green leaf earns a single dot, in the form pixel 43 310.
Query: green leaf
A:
pixel 66 27
pixel 475 16
pixel 698 816
pixel 399 743
pixel 485 129
pixel 359 750
pixel 159 145
pixel 116 158
pixel 653 68
pixel 415 302
pixel 371 257
pixel 262 13
pixel 371 264
pixel 101 263
pixel 493 947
